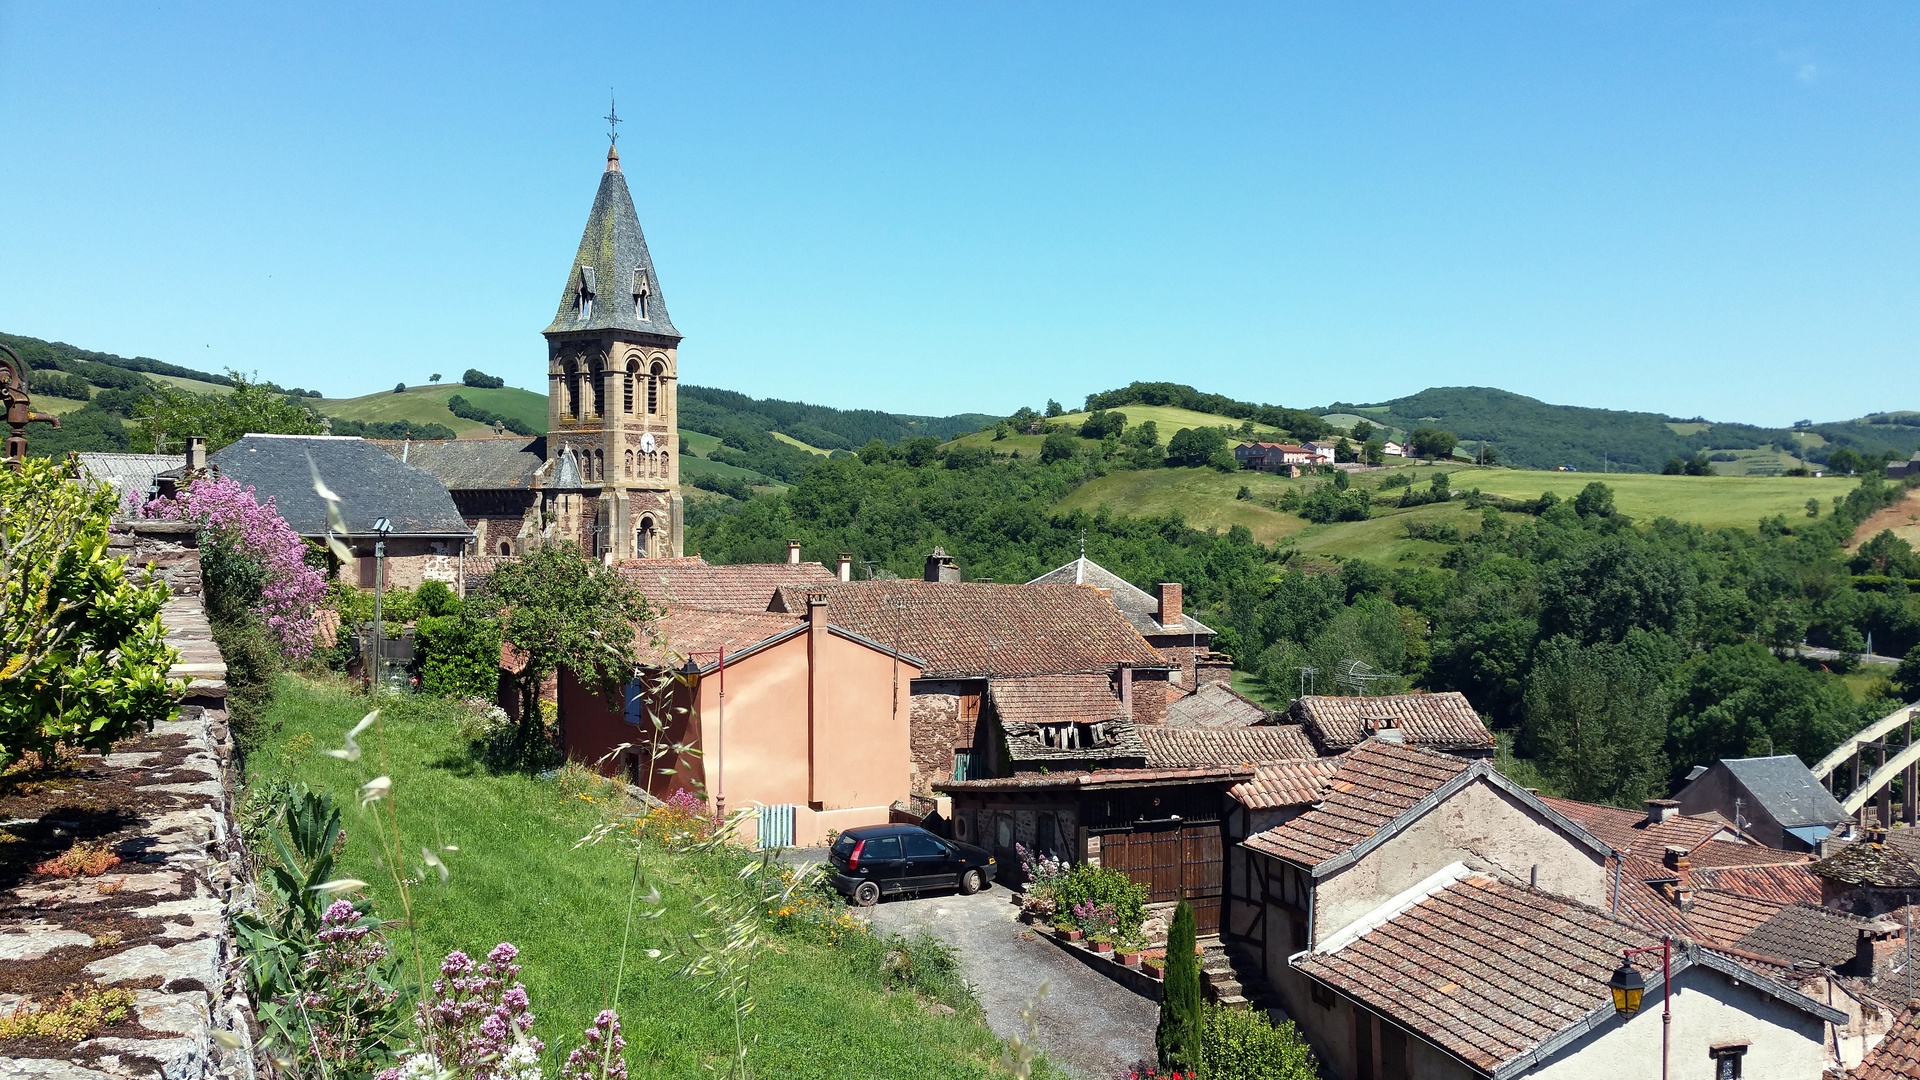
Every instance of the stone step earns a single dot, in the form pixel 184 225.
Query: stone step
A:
pixel 1232 1001
pixel 1225 987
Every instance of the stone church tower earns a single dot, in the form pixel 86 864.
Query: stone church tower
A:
pixel 612 478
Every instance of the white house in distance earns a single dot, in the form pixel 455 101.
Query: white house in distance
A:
pixel 1394 449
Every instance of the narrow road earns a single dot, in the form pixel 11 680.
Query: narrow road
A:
pixel 1090 1026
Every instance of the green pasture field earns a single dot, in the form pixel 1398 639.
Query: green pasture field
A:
pixel 1714 502
pixel 1168 420
pixel 699 442
pixel 191 385
pixel 791 441
pixel 518 877
pixel 691 467
pixel 428 404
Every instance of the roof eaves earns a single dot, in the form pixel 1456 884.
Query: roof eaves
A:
pixel 861 639
pixel 757 646
pixel 1401 820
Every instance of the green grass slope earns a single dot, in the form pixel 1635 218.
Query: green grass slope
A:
pixel 428 404
pixel 823 1013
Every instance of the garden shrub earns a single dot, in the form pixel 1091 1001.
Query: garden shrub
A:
pixel 1177 1040
pixel 1245 1045
pixel 459 655
pixel 1098 886
pixel 435 598
pixel 254 658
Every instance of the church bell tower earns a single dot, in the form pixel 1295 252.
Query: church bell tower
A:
pixel 613 467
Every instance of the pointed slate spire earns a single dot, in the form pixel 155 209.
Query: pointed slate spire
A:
pixel 613 269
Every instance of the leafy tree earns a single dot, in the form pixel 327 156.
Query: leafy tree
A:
pixel 1177 1039
pixel 1054 409
pixel 1343 451
pixel 400 387
pixel 1906 677
pixel 86 658
pixel 434 378
pixel 480 380
pixel 1594 500
pixel 919 451
pixel 459 654
pixel 1596 721
pixel 1813 508
pixel 1099 424
pixel 1742 701
pixel 1361 431
pixel 1698 465
pixel 562 609
pixel 1673 467
pixel 969 457
pixel 1615 585
pixel 1245 1045
pixel 252 408
pixel 1198 447
pixel 1059 446
pixel 1429 442
pixel 1374 452
pixel 873 453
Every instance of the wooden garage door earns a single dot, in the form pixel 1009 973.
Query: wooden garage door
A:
pixel 1172 863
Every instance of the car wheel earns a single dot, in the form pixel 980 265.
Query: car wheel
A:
pixel 970 882
pixel 866 894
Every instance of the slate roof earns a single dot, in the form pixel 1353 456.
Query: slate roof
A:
pixel 1793 883
pixel 371 484
pixel 1139 606
pixel 739 587
pixel 1787 789
pixel 1172 747
pixel 129 472
pixel 1807 932
pixel 1897 1056
pixel 1628 831
pixel 504 464
pixel 613 246
pixel 1881 862
pixel 1217 705
pixel 977 629
pixel 1286 783
pixel 1441 721
pixel 1375 783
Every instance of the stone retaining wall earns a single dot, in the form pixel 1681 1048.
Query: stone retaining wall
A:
pixel 157 922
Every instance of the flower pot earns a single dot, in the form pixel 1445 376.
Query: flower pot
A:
pixel 1155 972
pixel 1131 959
pixel 1102 946
pixel 1076 935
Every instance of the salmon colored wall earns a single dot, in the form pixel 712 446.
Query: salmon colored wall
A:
pixel 864 732
pixel 764 758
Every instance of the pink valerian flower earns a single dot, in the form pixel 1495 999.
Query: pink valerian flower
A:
pixel 477 1021
pixel 348 1009
pixel 603 1055
pixel 229 515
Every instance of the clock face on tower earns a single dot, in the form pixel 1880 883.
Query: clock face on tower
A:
pixel 646 443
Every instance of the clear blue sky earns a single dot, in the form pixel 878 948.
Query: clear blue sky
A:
pixel 1688 208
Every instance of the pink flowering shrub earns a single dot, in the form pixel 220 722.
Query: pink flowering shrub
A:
pixel 477 1021
pixel 350 1010
pixel 239 531
pixel 603 1056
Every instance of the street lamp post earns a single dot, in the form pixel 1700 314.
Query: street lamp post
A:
pixel 381 527
pixel 690 674
pixel 1628 985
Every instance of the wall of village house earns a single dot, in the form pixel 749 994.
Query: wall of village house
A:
pixel 1244 868
pixel 1716 790
pixel 1865 1026
pixel 1150 694
pixel 1481 826
pixel 864 737
pixel 409 563
pixel 978 820
pixel 946 715
pixel 1708 1011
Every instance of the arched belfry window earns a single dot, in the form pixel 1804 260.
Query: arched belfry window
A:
pixel 626 395
pixel 599 390
pixel 586 292
pixel 573 389
pixel 641 292
pixel 653 390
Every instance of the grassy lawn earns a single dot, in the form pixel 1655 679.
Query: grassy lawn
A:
pixel 1169 421
pixel 1204 496
pixel 192 385
pixel 793 442
pixel 823 1011
pixel 428 404
pixel 1711 501
pixel 691 467
pixel 59 406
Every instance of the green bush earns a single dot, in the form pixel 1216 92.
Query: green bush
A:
pixel 1086 884
pixel 459 655
pixel 253 659
pixel 435 598
pixel 1244 1045
pixel 1178 1038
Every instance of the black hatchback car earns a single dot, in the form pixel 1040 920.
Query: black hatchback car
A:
pixel 882 859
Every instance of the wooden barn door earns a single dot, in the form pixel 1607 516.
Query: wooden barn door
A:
pixel 1172 861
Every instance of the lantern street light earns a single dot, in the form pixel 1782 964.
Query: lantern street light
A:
pixel 1628 986
pixel 690 675
pixel 381 527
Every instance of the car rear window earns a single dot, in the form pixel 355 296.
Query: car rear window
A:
pixel 924 846
pixel 844 845
pixel 882 847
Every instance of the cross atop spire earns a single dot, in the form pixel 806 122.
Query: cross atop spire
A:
pixel 613 121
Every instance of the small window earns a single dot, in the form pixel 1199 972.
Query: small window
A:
pixel 1003 831
pixel 506 548
pixel 882 849
pixel 640 293
pixel 1727 1061
pixel 1048 839
pixel 924 846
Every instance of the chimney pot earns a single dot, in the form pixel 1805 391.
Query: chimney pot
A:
pixel 940 566
pixel 197 452
pixel 1659 810
pixel 793 553
pixel 846 566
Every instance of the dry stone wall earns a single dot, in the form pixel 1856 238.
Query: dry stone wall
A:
pixel 156 923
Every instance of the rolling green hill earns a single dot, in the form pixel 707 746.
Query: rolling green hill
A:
pixel 428 405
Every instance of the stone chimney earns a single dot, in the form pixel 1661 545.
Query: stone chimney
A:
pixel 1126 690
pixel 1168 593
pixel 1880 943
pixel 940 566
pixel 846 566
pixel 196 453
pixel 1676 860
pixel 1659 810
pixel 1212 667
pixel 1387 729
pixel 816 611
pixel 793 553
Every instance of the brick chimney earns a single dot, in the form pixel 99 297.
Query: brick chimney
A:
pixel 1126 690
pixel 846 566
pixel 1168 593
pixel 1676 860
pixel 196 453
pixel 1659 810
pixel 793 553
pixel 940 566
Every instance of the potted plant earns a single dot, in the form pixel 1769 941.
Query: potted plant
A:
pixel 1099 921
pixel 1130 952
pixel 1155 967
pixel 1101 943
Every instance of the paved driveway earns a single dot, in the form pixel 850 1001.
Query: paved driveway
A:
pixel 1090 1026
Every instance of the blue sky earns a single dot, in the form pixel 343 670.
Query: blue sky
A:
pixel 1690 208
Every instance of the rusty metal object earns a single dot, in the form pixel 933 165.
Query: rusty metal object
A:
pixel 19 405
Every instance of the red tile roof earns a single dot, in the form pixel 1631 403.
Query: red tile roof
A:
pixel 1807 932
pixel 1485 970
pixel 1286 783
pixel 1172 747
pixel 976 629
pixel 1896 1057
pixel 1217 705
pixel 1720 918
pixel 744 587
pixel 1375 783
pixel 1642 903
pixel 1628 831
pixel 684 631
pixel 1716 854
pixel 1795 883
pixel 1056 699
pixel 1441 721
pixel 1100 778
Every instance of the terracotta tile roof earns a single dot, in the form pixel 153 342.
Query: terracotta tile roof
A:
pixel 1790 884
pixel 1054 699
pixel 1871 862
pixel 682 631
pixel 1217 705
pixel 1173 747
pixel 975 629
pixel 1896 1057
pixel 1721 918
pixel 1075 778
pixel 1807 932
pixel 1286 783
pixel 1641 902
pixel 1375 783
pixel 1442 721
pixel 1717 854
pixel 744 587
pixel 1487 971
pixel 1627 830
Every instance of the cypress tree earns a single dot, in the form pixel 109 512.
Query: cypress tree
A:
pixel 1178 1038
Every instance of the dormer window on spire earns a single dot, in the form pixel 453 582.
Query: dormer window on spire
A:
pixel 640 293
pixel 586 292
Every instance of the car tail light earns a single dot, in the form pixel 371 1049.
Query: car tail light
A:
pixel 853 860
